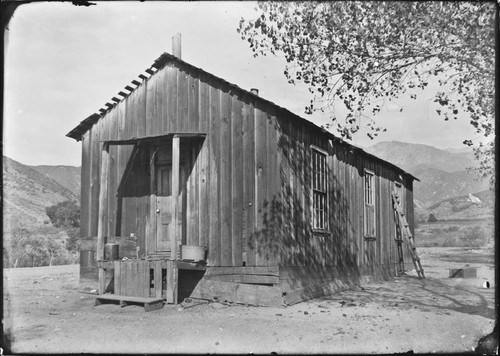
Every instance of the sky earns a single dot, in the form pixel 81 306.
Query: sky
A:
pixel 64 62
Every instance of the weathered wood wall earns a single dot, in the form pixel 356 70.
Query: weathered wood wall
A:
pixel 233 176
pixel 343 248
pixel 248 195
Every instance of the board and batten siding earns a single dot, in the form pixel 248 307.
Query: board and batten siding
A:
pixel 234 180
pixel 343 244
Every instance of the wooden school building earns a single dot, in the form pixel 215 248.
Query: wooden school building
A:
pixel 210 191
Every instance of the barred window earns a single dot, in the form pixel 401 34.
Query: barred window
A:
pixel 369 204
pixel 319 185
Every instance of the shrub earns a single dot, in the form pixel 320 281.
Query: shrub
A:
pixel 474 237
pixel 452 228
pixel 431 218
pixel 450 241
pixel 65 214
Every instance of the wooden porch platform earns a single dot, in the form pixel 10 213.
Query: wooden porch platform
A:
pixel 143 279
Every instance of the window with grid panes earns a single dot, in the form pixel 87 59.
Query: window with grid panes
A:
pixel 369 205
pixel 319 185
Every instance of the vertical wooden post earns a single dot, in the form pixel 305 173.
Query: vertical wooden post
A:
pixel 151 221
pixel 172 271
pixel 157 279
pixel 175 193
pixel 172 282
pixel 117 276
pixel 103 207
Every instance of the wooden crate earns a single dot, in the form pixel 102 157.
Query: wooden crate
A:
pixel 468 272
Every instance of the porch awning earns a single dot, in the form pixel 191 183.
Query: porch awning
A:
pixel 148 139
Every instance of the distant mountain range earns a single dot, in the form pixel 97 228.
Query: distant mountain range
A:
pixel 458 150
pixel 416 158
pixel 443 189
pixel 443 174
pixel 444 179
pixel 67 176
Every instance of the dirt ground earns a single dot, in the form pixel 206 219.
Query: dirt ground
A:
pixel 44 312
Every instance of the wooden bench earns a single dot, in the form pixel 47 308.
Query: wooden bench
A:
pixel 149 303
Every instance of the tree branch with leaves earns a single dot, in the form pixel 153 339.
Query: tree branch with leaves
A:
pixel 359 53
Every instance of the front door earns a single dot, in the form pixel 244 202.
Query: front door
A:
pixel 165 213
pixel 168 207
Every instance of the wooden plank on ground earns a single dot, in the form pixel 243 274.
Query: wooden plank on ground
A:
pixel 108 296
pixel 149 303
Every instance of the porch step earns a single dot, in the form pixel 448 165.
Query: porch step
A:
pixel 149 303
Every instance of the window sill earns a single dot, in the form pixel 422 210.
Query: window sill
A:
pixel 320 231
pixel 370 238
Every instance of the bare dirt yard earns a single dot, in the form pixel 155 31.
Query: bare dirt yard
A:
pixel 45 312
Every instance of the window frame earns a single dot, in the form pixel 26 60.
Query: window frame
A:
pixel 369 200
pixel 319 187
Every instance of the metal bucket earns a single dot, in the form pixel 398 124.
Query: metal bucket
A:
pixel 192 253
pixel 112 252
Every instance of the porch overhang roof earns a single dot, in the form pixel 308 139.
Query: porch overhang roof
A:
pixel 149 139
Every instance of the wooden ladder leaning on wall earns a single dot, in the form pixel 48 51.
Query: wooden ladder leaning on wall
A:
pixel 404 230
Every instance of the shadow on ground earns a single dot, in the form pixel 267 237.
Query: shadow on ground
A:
pixel 410 292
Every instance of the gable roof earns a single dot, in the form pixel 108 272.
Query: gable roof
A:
pixel 167 58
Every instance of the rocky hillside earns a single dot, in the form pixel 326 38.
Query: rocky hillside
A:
pixel 436 185
pixel 475 206
pixel 470 206
pixel 27 192
pixel 67 176
pixel 443 174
